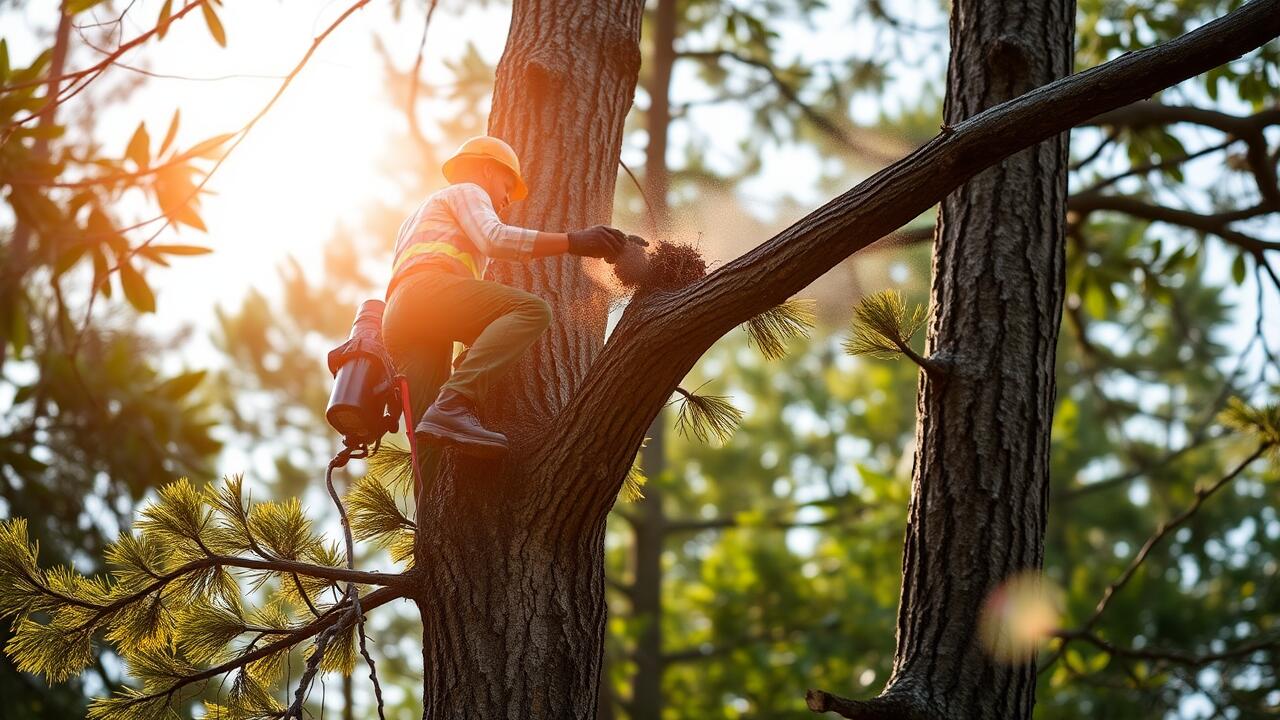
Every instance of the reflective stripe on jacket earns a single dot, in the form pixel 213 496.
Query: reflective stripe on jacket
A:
pixel 459 223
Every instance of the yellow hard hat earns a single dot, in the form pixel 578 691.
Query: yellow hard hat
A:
pixel 490 148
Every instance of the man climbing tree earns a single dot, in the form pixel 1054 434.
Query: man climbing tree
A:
pixel 507 562
pixel 437 293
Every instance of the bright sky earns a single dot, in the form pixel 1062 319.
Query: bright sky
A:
pixel 311 163
pixel 314 161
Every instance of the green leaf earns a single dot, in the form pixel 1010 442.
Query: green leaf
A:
pixel 1099 662
pixel 162 24
pixel 78 6
pixel 181 250
pixel 180 386
pixel 43 132
pixel 19 331
pixel 139 149
pixel 102 232
pixel 215 25
pixel 33 208
pixel 186 215
pixel 1238 269
pixel 1261 422
pixel 392 465
pixel 209 148
pixel 69 256
pixel 100 272
pixel 32 71
pixel 136 289
pixel 374 512
pixel 173 132
pixel 1074 660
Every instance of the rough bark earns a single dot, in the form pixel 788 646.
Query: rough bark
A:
pixel 646 593
pixel 980 485
pixel 510 576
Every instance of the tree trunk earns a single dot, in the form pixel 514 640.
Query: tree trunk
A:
pixel 658 118
pixel 510 567
pixel 981 478
pixel 646 593
pixel 651 523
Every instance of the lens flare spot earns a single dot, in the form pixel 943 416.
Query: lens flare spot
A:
pixel 1019 617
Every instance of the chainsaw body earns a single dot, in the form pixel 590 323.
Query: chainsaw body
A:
pixel 363 405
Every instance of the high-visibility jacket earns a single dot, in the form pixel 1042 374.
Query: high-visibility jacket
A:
pixel 457 227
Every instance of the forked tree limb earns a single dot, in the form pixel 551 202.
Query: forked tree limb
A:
pixel 659 339
pixel 1218 224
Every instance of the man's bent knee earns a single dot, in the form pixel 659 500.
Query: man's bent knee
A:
pixel 536 312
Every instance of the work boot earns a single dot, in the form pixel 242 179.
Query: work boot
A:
pixel 451 420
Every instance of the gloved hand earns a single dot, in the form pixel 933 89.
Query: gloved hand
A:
pixel 600 241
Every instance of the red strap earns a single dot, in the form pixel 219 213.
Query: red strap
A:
pixel 403 383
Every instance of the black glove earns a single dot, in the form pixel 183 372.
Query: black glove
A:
pixel 600 241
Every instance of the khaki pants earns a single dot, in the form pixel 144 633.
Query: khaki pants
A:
pixel 431 309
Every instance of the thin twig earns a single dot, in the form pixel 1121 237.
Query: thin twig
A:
pixel 1202 494
pixel 240 135
pixel 1180 657
pixel 653 217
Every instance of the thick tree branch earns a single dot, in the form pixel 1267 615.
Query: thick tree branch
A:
pixel 885 707
pixel 1218 224
pixel 661 337
pixel 792 259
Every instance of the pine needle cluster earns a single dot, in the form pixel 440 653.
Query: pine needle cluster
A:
pixel 376 516
pixel 1261 423
pixel 393 466
pixel 772 330
pixel 633 484
pixel 176 602
pixel 883 326
pixel 707 417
